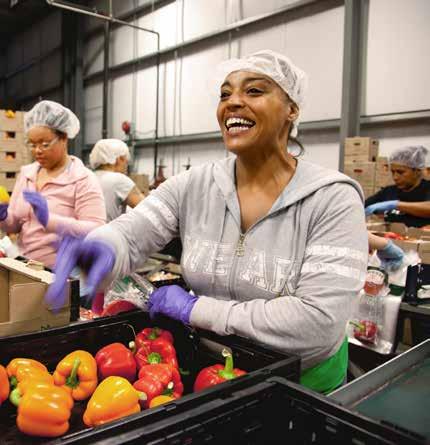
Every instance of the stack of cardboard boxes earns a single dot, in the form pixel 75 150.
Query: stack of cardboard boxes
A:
pixel 363 164
pixel 13 152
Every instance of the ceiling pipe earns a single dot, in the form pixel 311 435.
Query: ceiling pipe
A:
pixel 92 12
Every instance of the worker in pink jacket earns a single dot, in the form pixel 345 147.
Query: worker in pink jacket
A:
pixel 56 194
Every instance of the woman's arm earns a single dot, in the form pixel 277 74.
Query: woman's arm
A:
pixel 90 210
pixel 146 229
pixel 421 209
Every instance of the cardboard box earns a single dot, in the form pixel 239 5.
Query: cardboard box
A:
pixel 362 172
pixel 8 179
pixel 22 305
pixel 368 191
pixel 11 121
pixel 377 226
pixel 361 149
pixel 11 161
pixel 12 140
pixel 141 181
pixel 383 177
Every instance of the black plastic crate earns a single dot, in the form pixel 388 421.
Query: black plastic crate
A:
pixel 269 412
pixel 195 348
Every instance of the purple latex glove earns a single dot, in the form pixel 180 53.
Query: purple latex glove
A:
pixel 94 257
pixel 3 211
pixel 67 257
pixel 39 204
pixel 172 301
pixel 381 207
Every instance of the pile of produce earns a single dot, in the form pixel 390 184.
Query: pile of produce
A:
pixel 118 381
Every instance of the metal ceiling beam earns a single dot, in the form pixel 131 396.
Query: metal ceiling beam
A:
pixel 130 15
pixel 310 6
pixel 354 54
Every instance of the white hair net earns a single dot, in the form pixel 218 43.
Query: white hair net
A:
pixel 107 151
pixel 413 156
pixel 54 116
pixel 276 66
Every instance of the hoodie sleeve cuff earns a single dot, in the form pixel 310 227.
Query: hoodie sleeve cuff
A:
pixel 211 314
pixel 53 223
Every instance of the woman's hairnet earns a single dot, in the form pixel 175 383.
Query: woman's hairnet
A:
pixel 54 116
pixel 412 156
pixel 107 151
pixel 276 66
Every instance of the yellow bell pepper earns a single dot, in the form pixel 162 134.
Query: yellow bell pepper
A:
pixel 10 114
pixel 44 410
pixel 16 363
pixel 114 398
pixel 4 195
pixel 160 400
pixel 77 373
pixel 4 384
pixel 26 376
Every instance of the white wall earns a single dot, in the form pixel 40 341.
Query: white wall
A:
pixel 398 62
pixel 396 72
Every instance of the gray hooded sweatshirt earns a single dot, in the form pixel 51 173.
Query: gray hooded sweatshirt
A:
pixel 288 282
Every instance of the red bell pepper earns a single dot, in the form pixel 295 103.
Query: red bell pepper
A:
pixel 156 351
pixel 151 334
pixel 213 375
pixel 116 360
pixel 158 379
pixel 365 331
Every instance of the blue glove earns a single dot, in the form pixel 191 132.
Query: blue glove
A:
pixel 381 207
pixel 391 256
pixel 172 301
pixel 39 204
pixel 3 211
pixel 94 257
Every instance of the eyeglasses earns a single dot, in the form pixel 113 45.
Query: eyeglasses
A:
pixel 42 145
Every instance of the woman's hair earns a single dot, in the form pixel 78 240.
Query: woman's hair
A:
pixel 296 141
pixel 60 134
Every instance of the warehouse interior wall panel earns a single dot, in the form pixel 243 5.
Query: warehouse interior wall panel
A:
pixel 15 55
pixel 51 70
pixel 251 8
pixel 90 22
pixel 315 44
pixel 398 62
pixel 32 80
pixel 204 16
pixel 120 93
pixel 31 43
pixel 321 147
pixel 93 112
pixel 50 32
pixel 93 55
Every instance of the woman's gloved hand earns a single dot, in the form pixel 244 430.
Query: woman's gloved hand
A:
pixel 172 301
pixel 3 211
pixel 391 256
pixel 39 204
pixel 95 257
pixel 381 207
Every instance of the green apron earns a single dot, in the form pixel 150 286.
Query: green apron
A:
pixel 329 374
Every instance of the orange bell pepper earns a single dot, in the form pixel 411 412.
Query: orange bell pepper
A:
pixel 4 384
pixel 14 364
pixel 28 375
pixel 44 410
pixel 77 373
pixel 114 398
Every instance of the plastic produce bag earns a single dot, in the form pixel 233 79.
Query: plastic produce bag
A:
pixel 132 288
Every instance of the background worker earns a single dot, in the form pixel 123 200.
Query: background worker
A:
pixel 109 158
pixel 408 200
pixel 56 193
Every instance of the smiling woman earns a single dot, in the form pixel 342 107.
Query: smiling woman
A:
pixel 274 247
pixel 55 194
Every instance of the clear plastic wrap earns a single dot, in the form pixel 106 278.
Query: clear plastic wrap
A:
pixel 132 288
